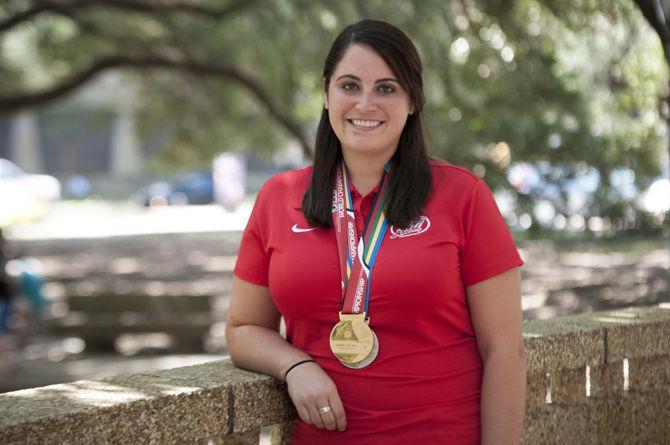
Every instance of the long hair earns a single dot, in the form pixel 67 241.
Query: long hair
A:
pixel 410 179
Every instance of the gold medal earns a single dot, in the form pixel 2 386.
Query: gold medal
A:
pixel 353 342
pixel 369 359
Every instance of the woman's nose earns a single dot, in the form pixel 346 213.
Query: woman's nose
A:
pixel 366 101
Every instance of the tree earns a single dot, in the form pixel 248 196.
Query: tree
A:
pixel 566 86
pixel 656 12
pixel 83 24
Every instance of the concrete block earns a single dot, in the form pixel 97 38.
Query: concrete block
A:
pixel 645 339
pixel 592 339
pixel 633 332
pixel 621 418
pixel 255 400
pixel 633 417
pixel 212 374
pixel 568 385
pixel 536 389
pixel 559 423
pixel 560 343
pixel 130 409
pixel 281 433
pixel 260 403
pixel 649 372
pixel 606 379
pixel 249 438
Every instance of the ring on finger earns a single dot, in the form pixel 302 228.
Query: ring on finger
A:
pixel 324 409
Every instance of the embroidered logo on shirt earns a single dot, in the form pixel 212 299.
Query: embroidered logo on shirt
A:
pixel 297 229
pixel 417 228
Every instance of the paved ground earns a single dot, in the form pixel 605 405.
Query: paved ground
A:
pixel 95 219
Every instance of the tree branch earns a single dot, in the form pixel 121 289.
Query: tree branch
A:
pixel 163 60
pixel 69 7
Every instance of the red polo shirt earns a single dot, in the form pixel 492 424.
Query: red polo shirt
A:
pixel 424 386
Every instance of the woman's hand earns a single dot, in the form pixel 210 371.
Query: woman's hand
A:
pixel 310 388
pixel 254 343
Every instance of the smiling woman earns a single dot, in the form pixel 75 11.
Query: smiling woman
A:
pixel 372 74
pixel 430 350
pixel 367 107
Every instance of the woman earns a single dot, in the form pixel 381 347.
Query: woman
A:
pixel 396 275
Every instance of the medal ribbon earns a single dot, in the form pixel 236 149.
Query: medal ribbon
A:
pixel 357 255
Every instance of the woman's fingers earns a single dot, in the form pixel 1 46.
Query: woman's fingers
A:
pixel 315 397
pixel 337 410
pixel 315 417
pixel 332 413
pixel 327 416
pixel 303 413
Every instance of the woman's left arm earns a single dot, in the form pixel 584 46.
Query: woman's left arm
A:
pixel 495 309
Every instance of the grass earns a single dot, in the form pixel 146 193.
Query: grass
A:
pixel 626 242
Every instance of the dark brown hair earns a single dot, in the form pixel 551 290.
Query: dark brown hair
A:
pixel 410 181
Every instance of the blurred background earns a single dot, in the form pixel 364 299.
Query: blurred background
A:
pixel 135 134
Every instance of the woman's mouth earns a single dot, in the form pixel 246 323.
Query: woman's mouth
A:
pixel 364 123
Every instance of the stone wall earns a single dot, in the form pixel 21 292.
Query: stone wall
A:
pixel 602 377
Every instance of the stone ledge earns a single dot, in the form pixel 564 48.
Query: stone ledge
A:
pixel 217 400
pixel 636 332
pixel 597 338
pixel 577 346
pixel 188 404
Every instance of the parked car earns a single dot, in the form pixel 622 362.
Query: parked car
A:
pixel 14 181
pixel 193 188
pixel 23 196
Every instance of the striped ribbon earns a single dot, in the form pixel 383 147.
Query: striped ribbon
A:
pixel 357 255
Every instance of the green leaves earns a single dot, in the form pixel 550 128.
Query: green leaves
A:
pixel 562 82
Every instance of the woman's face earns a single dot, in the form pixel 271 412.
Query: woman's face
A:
pixel 367 107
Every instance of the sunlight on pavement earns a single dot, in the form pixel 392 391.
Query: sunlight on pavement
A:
pixel 100 219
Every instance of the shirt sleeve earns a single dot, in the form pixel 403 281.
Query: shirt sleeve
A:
pixel 253 258
pixel 488 248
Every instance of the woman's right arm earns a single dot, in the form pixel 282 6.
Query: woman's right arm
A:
pixel 254 343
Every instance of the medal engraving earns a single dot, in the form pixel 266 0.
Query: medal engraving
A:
pixel 353 342
pixel 370 358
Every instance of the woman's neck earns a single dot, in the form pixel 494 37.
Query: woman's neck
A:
pixel 365 172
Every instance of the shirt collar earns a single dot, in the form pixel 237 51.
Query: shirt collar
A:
pixel 372 192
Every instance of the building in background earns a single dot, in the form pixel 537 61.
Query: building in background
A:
pixel 93 133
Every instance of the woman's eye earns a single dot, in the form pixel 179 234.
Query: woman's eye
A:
pixel 386 89
pixel 349 87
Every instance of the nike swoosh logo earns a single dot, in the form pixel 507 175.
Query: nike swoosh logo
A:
pixel 297 229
